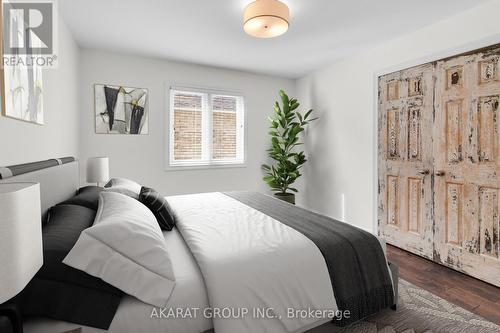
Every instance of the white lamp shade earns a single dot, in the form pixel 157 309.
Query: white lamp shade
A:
pixel 98 169
pixel 266 18
pixel 21 252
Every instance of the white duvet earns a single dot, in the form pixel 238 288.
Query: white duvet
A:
pixel 248 261
pixel 253 265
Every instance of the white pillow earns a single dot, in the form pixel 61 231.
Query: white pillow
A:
pixel 124 186
pixel 125 247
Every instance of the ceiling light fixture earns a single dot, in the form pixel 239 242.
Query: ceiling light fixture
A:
pixel 266 18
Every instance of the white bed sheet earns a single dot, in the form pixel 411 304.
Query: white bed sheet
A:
pixel 135 316
pixel 251 261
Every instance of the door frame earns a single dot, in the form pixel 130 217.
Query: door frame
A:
pixel 454 51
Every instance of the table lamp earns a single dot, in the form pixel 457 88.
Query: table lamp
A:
pixel 97 170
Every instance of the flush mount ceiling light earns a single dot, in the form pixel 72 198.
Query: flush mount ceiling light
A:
pixel 266 18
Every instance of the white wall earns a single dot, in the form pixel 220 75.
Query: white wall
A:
pixel 141 157
pixel 342 145
pixel 26 142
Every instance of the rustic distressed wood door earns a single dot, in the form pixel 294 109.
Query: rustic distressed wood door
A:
pixel 467 164
pixel 405 159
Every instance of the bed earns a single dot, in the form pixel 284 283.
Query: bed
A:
pixel 207 277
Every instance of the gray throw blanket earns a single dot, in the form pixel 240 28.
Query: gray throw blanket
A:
pixel 356 263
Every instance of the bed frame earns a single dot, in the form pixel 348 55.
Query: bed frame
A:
pixel 59 180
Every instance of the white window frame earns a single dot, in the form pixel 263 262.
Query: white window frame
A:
pixel 207 162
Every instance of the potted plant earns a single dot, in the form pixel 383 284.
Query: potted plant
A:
pixel 286 125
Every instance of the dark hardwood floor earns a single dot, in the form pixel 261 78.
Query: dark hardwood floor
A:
pixel 474 295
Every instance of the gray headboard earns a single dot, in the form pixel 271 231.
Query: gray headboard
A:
pixel 58 178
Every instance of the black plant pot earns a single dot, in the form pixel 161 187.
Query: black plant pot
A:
pixel 288 197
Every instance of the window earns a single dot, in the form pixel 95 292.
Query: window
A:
pixel 206 128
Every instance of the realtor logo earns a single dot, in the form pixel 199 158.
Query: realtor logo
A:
pixel 29 33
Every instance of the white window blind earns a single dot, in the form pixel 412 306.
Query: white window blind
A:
pixel 206 128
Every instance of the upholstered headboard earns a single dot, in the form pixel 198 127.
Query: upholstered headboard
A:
pixel 58 178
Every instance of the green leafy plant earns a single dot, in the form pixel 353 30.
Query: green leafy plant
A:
pixel 286 125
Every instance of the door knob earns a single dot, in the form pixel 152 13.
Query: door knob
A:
pixel 424 171
pixel 440 173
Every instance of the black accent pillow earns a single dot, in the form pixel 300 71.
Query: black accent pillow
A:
pixel 89 188
pixel 87 196
pixel 158 206
pixel 62 292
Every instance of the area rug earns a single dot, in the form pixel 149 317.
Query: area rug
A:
pixel 420 311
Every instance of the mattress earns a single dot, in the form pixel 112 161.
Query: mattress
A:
pixel 135 316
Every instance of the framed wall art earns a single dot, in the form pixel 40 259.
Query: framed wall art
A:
pixel 121 110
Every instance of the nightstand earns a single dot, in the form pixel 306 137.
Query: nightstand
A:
pixel 6 325
pixel 10 318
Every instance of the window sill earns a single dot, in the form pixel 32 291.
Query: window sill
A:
pixel 204 166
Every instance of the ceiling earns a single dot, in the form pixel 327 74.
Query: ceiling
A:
pixel 210 32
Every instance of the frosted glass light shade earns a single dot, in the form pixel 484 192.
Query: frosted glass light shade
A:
pixel 266 18
pixel 21 252
pixel 97 169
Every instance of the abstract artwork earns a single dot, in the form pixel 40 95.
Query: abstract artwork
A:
pixel 23 93
pixel 120 110
pixel 23 84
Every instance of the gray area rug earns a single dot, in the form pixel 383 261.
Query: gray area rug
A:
pixel 420 311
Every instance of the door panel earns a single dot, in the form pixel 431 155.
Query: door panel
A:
pixel 405 159
pixel 466 146
pixel 467 165
pixel 488 221
pixel 439 162
pixel 415 186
